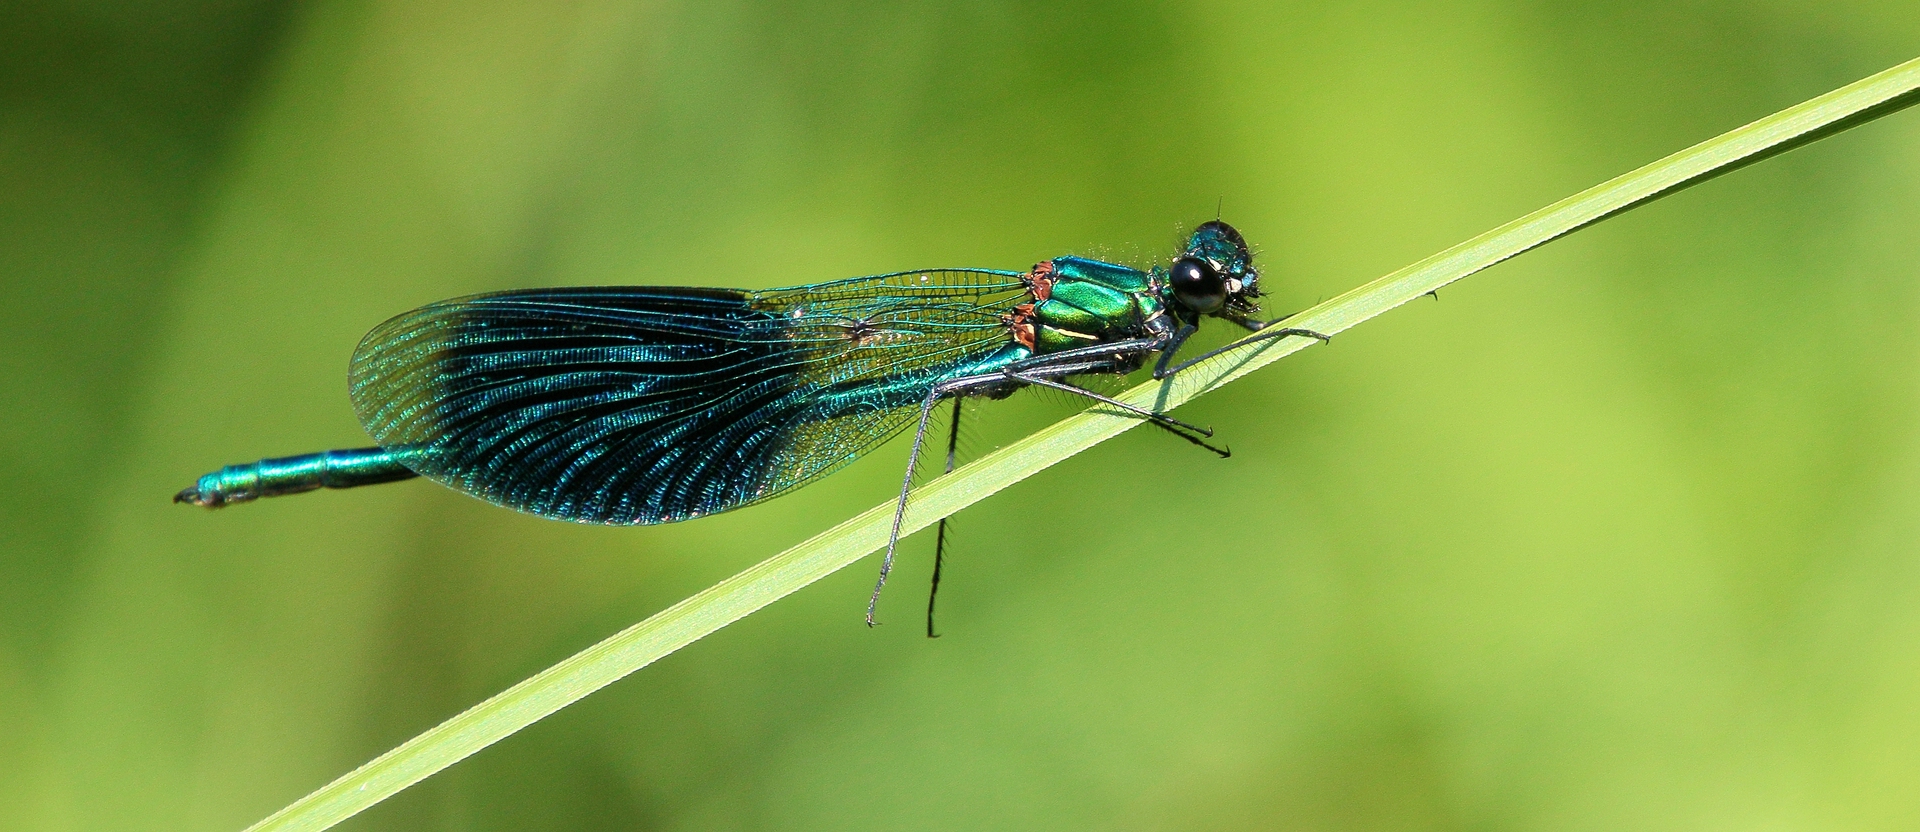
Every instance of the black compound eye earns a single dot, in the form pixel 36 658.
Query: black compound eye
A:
pixel 1197 286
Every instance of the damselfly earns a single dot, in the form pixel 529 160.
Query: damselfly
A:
pixel 644 405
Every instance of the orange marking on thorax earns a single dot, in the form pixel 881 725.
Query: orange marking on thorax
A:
pixel 1020 324
pixel 1039 280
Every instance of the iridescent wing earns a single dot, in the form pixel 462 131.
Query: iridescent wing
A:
pixel 628 405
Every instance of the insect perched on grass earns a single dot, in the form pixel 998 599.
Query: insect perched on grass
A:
pixel 644 405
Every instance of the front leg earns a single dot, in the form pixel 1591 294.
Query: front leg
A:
pixel 1167 352
pixel 950 388
pixel 1262 331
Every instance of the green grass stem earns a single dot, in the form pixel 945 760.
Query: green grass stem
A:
pixel 731 599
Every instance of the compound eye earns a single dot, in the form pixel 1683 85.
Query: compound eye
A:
pixel 1197 286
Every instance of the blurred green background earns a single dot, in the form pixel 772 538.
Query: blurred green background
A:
pixel 1622 534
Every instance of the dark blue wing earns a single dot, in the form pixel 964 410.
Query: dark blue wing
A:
pixel 632 405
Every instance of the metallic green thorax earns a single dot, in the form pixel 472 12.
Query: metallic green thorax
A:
pixel 1080 302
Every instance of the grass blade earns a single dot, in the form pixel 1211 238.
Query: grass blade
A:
pixel 685 622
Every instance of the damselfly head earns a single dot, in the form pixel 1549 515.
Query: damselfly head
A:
pixel 1215 274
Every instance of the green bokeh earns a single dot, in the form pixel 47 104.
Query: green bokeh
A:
pixel 1622 535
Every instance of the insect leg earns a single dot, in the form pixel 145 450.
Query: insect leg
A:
pixel 1141 412
pixel 1156 419
pixel 950 387
pixel 940 536
pixel 1261 333
pixel 1180 336
pixel 953 437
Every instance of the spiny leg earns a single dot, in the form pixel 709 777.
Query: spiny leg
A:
pixel 940 535
pixel 953 437
pixel 1261 333
pixel 951 387
pixel 900 511
pixel 1158 423
pixel 1167 352
pixel 1157 418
